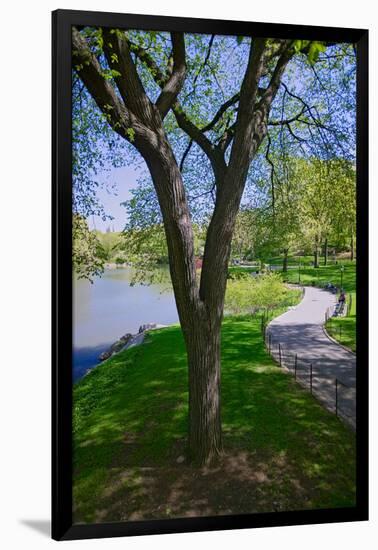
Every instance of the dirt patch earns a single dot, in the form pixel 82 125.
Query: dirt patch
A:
pixel 240 482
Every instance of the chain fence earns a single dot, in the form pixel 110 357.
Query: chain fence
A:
pixel 334 394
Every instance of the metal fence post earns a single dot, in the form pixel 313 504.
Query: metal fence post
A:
pixel 295 366
pixel 269 342
pixel 280 354
pixel 336 397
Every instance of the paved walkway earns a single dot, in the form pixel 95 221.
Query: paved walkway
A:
pixel 300 332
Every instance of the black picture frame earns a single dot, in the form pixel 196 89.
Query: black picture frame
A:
pixel 62 522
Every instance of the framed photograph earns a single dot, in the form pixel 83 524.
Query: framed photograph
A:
pixel 210 202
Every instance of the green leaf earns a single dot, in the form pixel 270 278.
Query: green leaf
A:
pixel 314 50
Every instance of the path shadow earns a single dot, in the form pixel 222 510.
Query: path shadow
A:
pixel 42 526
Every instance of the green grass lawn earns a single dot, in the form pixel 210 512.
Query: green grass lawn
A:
pixel 291 260
pixel 283 450
pixel 309 275
pixel 343 329
pixel 236 270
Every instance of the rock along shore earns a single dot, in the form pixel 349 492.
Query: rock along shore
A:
pixel 128 340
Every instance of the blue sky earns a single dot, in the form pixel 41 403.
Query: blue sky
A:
pixel 299 81
pixel 124 178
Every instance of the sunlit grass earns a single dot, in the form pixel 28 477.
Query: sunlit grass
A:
pixel 325 274
pixel 131 411
pixel 343 329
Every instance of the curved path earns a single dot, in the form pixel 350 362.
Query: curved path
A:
pixel 300 332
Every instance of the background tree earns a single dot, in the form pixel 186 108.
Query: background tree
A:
pixel 88 255
pixel 327 201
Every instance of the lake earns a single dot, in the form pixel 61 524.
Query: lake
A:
pixel 108 308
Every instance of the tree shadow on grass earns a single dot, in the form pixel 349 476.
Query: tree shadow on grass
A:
pixel 283 451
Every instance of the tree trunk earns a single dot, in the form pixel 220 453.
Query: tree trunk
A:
pixel 203 349
pixel 352 248
pixel 316 256
pixel 284 265
pixel 200 318
pixel 325 251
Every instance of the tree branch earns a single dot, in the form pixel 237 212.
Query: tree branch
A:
pixel 275 81
pixel 288 120
pixel 205 61
pixel 196 134
pixel 213 153
pixel 222 109
pixel 185 154
pixel 272 173
pixel 91 74
pixel 245 124
pixel 117 52
pixel 175 82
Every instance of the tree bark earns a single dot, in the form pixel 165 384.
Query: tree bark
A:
pixel 284 265
pixel 203 349
pixel 316 253
pixel 325 251
pixel 352 247
pixel 200 323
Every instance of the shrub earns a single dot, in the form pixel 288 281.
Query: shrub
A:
pixel 248 294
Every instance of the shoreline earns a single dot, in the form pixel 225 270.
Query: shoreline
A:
pixel 125 342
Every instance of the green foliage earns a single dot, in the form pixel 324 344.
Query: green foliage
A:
pixel 314 200
pixel 328 197
pixel 88 256
pixel 251 293
pixel 111 243
pixel 131 134
pixel 130 417
pixel 311 49
pixel 325 274
pixel 214 74
pixel 314 50
pixel 254 236
pixel 146 249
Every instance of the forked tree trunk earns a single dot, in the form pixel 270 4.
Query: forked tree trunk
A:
pixel 200 322
pixel 200 308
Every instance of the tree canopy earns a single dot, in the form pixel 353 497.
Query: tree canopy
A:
pixel 312 116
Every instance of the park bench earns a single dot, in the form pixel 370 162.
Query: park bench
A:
pixel 339 309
